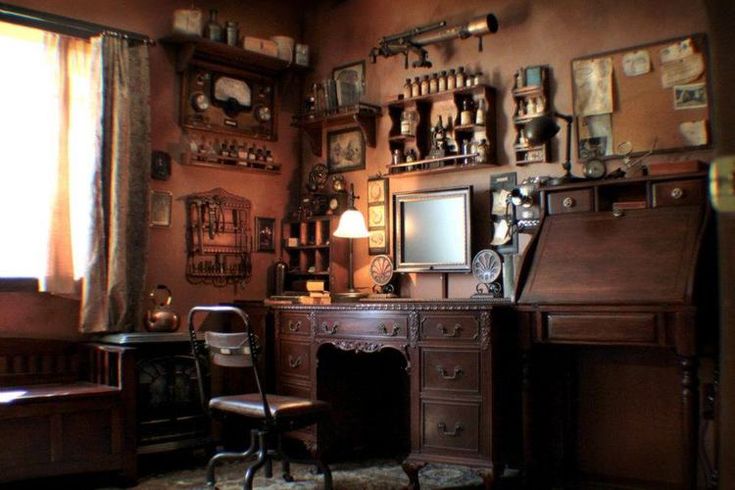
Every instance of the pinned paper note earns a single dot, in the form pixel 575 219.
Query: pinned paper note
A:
pixel 636 63
pixel 683 70
pixel 677 51
pixel 694 133
pixel 501 236
pixel 500 202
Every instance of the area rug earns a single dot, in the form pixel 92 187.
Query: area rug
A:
pixel 371 475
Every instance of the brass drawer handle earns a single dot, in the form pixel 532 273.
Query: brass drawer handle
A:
pixel 294 363
pixel 445 333
pixel 457 372
pixel 677 193
pixel 442 427
pixel 383 330
pixel 568 202
pixel 330 330
pixel 294 327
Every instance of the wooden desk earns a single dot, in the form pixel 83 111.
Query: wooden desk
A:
pixel 459 359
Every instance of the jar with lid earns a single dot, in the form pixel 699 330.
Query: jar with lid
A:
pixel 407 123
pixel 407 89
pixel 415 87
pixel 433 84
pixel 424 87
pixel 451 80
pixel 213 29
pixel 231 32
pixel 442 82
pixel 460 78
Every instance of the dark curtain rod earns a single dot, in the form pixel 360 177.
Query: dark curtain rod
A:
pixel 63 25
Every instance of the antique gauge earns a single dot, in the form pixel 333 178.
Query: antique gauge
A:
pixel 594 168
pixel 232 95
pixel 338 183
pixel 381 272
pixel 318 177
pixel 486 268
pixel 199 101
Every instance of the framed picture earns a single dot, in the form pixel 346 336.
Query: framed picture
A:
pixel 377 215
pixel 533 76
pixel 350 82
pixel 160 211
pixel 265 234
pixel 346 150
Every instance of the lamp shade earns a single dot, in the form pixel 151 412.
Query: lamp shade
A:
pixel 541 129
pixel 351 225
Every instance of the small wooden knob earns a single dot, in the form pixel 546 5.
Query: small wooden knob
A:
pixel 568 202
pixel 677 193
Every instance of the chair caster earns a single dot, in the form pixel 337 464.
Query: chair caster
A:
pixel 288 477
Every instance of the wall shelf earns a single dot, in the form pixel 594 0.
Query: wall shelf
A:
pixel 362 115
pixel 526 99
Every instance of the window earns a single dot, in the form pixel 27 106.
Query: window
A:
pixel 48 123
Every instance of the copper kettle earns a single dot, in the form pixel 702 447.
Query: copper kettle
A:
pixel 161 318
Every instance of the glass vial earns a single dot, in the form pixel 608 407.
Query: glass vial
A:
pixel 416 87
pixel 433 84
pixel 480 113
pixel 451 80
pixel 442 83
pixel 231 32
pixel 213 29
pixel 424 87
pixel 407 89
pixel 460 78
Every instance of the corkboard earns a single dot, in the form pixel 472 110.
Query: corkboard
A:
pixel 643 110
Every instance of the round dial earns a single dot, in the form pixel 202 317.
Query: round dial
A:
pixel 318 176
pixel 486 266
pixel 381 270
pixel 333 204
pixel 594 168
pixel 262 113
pixel 226 88
pixel 338 183
pixel 199 101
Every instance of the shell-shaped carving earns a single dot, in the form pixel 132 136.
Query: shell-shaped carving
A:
pixel 486 266
pixel 381 270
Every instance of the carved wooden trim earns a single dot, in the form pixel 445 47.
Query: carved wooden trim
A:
pixel 312 319
pixel 419 305
pixel 484 330
pixel 363 346
pixel 413 329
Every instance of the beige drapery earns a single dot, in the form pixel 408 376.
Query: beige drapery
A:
pixel 113 285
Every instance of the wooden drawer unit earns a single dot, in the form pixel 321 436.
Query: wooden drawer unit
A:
pixel 457 371
pixel 383 325
pixel 678 193
pixel 294 324
pixel 451 426
pixel 450 326
pixel 570 201
pixel 603 328
pixel 294 359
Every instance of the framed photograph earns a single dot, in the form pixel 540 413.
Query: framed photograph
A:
pixel 265 234
pixel 533 76
pixel 160 211
pixel 377 215
pixel 350 82
pixel 691 96
pixel 346 150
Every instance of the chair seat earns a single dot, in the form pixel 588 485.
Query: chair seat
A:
pixel 281 407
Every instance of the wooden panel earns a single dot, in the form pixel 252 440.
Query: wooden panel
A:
pixel 450 326
pixel 602 328
pixel 374 324
pixel 450 370
pixel 570 201
pixel 644 256
pixel 678 193
pixel 451 426
pixel 294 359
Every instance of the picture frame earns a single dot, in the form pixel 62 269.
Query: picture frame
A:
pixel 350 82
pixel 378 217
pixel 160 209
pixel 533 76
pixel 265 234
pixel 346 150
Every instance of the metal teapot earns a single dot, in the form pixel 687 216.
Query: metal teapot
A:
pixel 161 318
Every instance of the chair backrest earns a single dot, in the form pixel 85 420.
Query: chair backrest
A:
pixel 229 350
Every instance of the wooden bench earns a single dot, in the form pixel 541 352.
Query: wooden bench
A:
pixel 65 410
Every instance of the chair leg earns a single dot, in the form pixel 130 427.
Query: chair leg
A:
pixel 285 462
pixel 327 474
pixel 219 457
pixel 262 458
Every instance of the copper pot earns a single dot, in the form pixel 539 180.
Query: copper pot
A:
pixel 161 317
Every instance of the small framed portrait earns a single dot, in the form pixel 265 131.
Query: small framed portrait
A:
pixel 376 216
pixel 160 210
pixel 377 242
pixel 346 150
pixel 350 82
pixel 377 198
pixel 265 234
pixel 691 96
pixel 376 190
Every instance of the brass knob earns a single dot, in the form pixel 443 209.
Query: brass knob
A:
pixel 677 193
pixel 568 202
pixel 294 327
pixel 617 212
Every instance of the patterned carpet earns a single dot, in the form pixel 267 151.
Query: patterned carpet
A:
pixel 371 475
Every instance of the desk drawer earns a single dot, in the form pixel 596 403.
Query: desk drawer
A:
pixel 450 326
pixel 388 326
pixel 570 201
pixel 451 370
pixel 603 328
pixel 451 426
pixel 678 193
pixel 294 359
pixel 294 324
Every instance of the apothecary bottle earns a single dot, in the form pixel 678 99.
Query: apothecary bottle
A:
pixel 231 30
pixel 477 79
pixel 442 82
pixel 465 117
pixel 433 84
pixel 451 80
pixel 480 113
pixel 460 78
pixel 213 30
pixel 424 87
pixel 407 89
pixel 407 123
pixel 482 151
pixel 415 87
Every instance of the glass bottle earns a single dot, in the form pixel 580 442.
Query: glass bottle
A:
pixel 480 113
pixel 415 87
pixel 442 83
pixel 424 88
pixel 407 89
pixel 477 79
pixel 460 78
pixel 451 80
pixel 213 30
pixel 433 84
pixel 231 32
pixel 407 123
pixel 468 78
pixel 482 151
pixel 465 117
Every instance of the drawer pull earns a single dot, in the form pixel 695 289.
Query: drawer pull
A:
pixel 457 372
pixel 677 193
pixel 383 330
pixel 293 363
pixel 330 330
pixel 442 427
pixel 568 202
pixel 294 327
pixel 453 333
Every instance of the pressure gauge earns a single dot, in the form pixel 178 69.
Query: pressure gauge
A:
pixel 233 94
pixel 199 101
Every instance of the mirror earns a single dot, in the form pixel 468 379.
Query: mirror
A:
pixel 655 96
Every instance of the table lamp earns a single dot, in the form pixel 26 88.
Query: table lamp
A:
pixel 351 225
pixel 541 129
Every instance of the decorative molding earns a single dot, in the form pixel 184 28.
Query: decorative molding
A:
pixel 449 305
pixel 484 330
pixel 312 319
pixel 363 346
pixel 413 328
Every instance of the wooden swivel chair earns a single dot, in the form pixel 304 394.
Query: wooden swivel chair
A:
pixel 271 414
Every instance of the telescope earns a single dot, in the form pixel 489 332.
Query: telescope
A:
pixel 417 38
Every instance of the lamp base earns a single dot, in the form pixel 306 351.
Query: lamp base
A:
pixel 348 296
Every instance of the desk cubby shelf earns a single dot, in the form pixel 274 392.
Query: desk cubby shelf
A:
pixel 362 115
